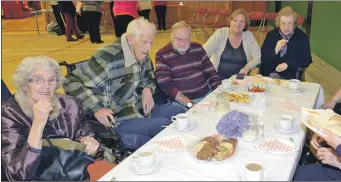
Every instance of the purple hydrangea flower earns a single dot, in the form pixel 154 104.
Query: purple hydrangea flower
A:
pixel 232 124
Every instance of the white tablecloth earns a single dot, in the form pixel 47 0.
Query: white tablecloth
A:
pixel 181 166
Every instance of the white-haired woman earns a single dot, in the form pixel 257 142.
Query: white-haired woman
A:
pixel 36 112
pixel 233 49
pixel 286 48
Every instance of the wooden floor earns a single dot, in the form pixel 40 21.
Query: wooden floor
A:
pixel 20 39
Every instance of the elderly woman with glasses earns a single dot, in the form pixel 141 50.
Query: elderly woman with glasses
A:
pixel 286 48
pixel 234 49
pixel 36 112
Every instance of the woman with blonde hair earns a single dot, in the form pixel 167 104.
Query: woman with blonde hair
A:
pixel 233 49
pixel 286 48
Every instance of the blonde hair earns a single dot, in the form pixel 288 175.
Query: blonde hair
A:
pixel 237 12
pixel 179 25
pixel 286 11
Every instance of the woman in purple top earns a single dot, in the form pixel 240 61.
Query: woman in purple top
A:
pixel 330 158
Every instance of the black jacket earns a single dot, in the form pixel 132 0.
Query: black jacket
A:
pixel 298 54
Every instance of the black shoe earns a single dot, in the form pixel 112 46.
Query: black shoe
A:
pixel 82 36
pixel 164 28
pixel 99 42
pixel 72 39
pixel 158 28
pixel 60 33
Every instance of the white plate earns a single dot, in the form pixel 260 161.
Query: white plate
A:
pixel 295 128
pixel 213 162
pixel 137 169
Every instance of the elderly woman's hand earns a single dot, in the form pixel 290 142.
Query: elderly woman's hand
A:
pixel 282 67
pixel 331 139
pixel 329 156
pixel 41 111
pixel 280 44
pixel 315 141
pixel 91 145
pixel 329 105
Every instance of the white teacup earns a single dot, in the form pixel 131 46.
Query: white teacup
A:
pixel 286 122
pixel 294 84
pixel 181 121
pixel 145 157
pixel 254 171
pixel 227 84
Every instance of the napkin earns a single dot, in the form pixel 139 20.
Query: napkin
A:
pixel 275 145
pixel 173 143
pixel 289 106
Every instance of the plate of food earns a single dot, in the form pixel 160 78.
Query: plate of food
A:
pixel 237 97
pixel 257 88
pixel 319 119
pixel 213 149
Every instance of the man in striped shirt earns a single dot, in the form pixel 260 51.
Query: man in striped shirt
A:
pixel 183 68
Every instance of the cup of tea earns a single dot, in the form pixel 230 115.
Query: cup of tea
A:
pixel 181 121
pixel 254 171
pixel 145 157
pixel 286 122
pixel 294 84
pixel 227 84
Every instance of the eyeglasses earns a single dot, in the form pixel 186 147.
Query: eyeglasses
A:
pixel 40 81
pixel 181 40
pixel 290 25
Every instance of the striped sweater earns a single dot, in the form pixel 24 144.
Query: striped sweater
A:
pixel 189 73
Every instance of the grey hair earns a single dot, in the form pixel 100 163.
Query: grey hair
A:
pixel 286 11
pixel 178 25
pixel 138 26
pixel 28 65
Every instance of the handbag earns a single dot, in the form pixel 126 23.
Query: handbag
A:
pixel 63 160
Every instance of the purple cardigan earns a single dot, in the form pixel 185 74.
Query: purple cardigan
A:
pixel 19 160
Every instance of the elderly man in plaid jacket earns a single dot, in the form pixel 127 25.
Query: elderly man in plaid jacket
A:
pixel 116 86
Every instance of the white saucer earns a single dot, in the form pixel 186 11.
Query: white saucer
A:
pixel 301 89
pixel 190 126
pixel 137 169
pixel 295 128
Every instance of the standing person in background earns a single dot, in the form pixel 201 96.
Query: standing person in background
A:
pixel 92 13
pixel 125 12
pixel 112 13
pixel 69 12
pixel 160 10
pixel 58 17
pixel 145 7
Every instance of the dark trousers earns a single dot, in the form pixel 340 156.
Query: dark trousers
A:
pixel 82 22
pixel 112 13
pixel 93 19
pixel 144 13
pixel 337 108
pixel 122 22
pixel 71 25
pixel 161 16
pixel 59 19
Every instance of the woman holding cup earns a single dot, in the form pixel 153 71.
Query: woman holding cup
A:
pixel 286 48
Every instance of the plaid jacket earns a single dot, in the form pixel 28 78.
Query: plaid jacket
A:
pixel 112 78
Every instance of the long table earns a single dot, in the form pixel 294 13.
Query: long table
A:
pixel 179 165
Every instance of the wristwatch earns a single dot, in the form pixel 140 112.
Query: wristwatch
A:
pixel 189 105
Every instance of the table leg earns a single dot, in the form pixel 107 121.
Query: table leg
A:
pixel 37 22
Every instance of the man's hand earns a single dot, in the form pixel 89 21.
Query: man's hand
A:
pixel 147 100
pixel 315 141
pixel 91 145
pixel 331 139
pixel 329 156
pixel 103 116
pixel 282 67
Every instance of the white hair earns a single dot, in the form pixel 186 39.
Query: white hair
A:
pixel 28 65
pixel 179 25
pixel 139 26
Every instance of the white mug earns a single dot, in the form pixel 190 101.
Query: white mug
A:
pixel 227 84
pixel 145 157
pixel 181 120
pixel 286 122
pixel 254 171
pixel 294 84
